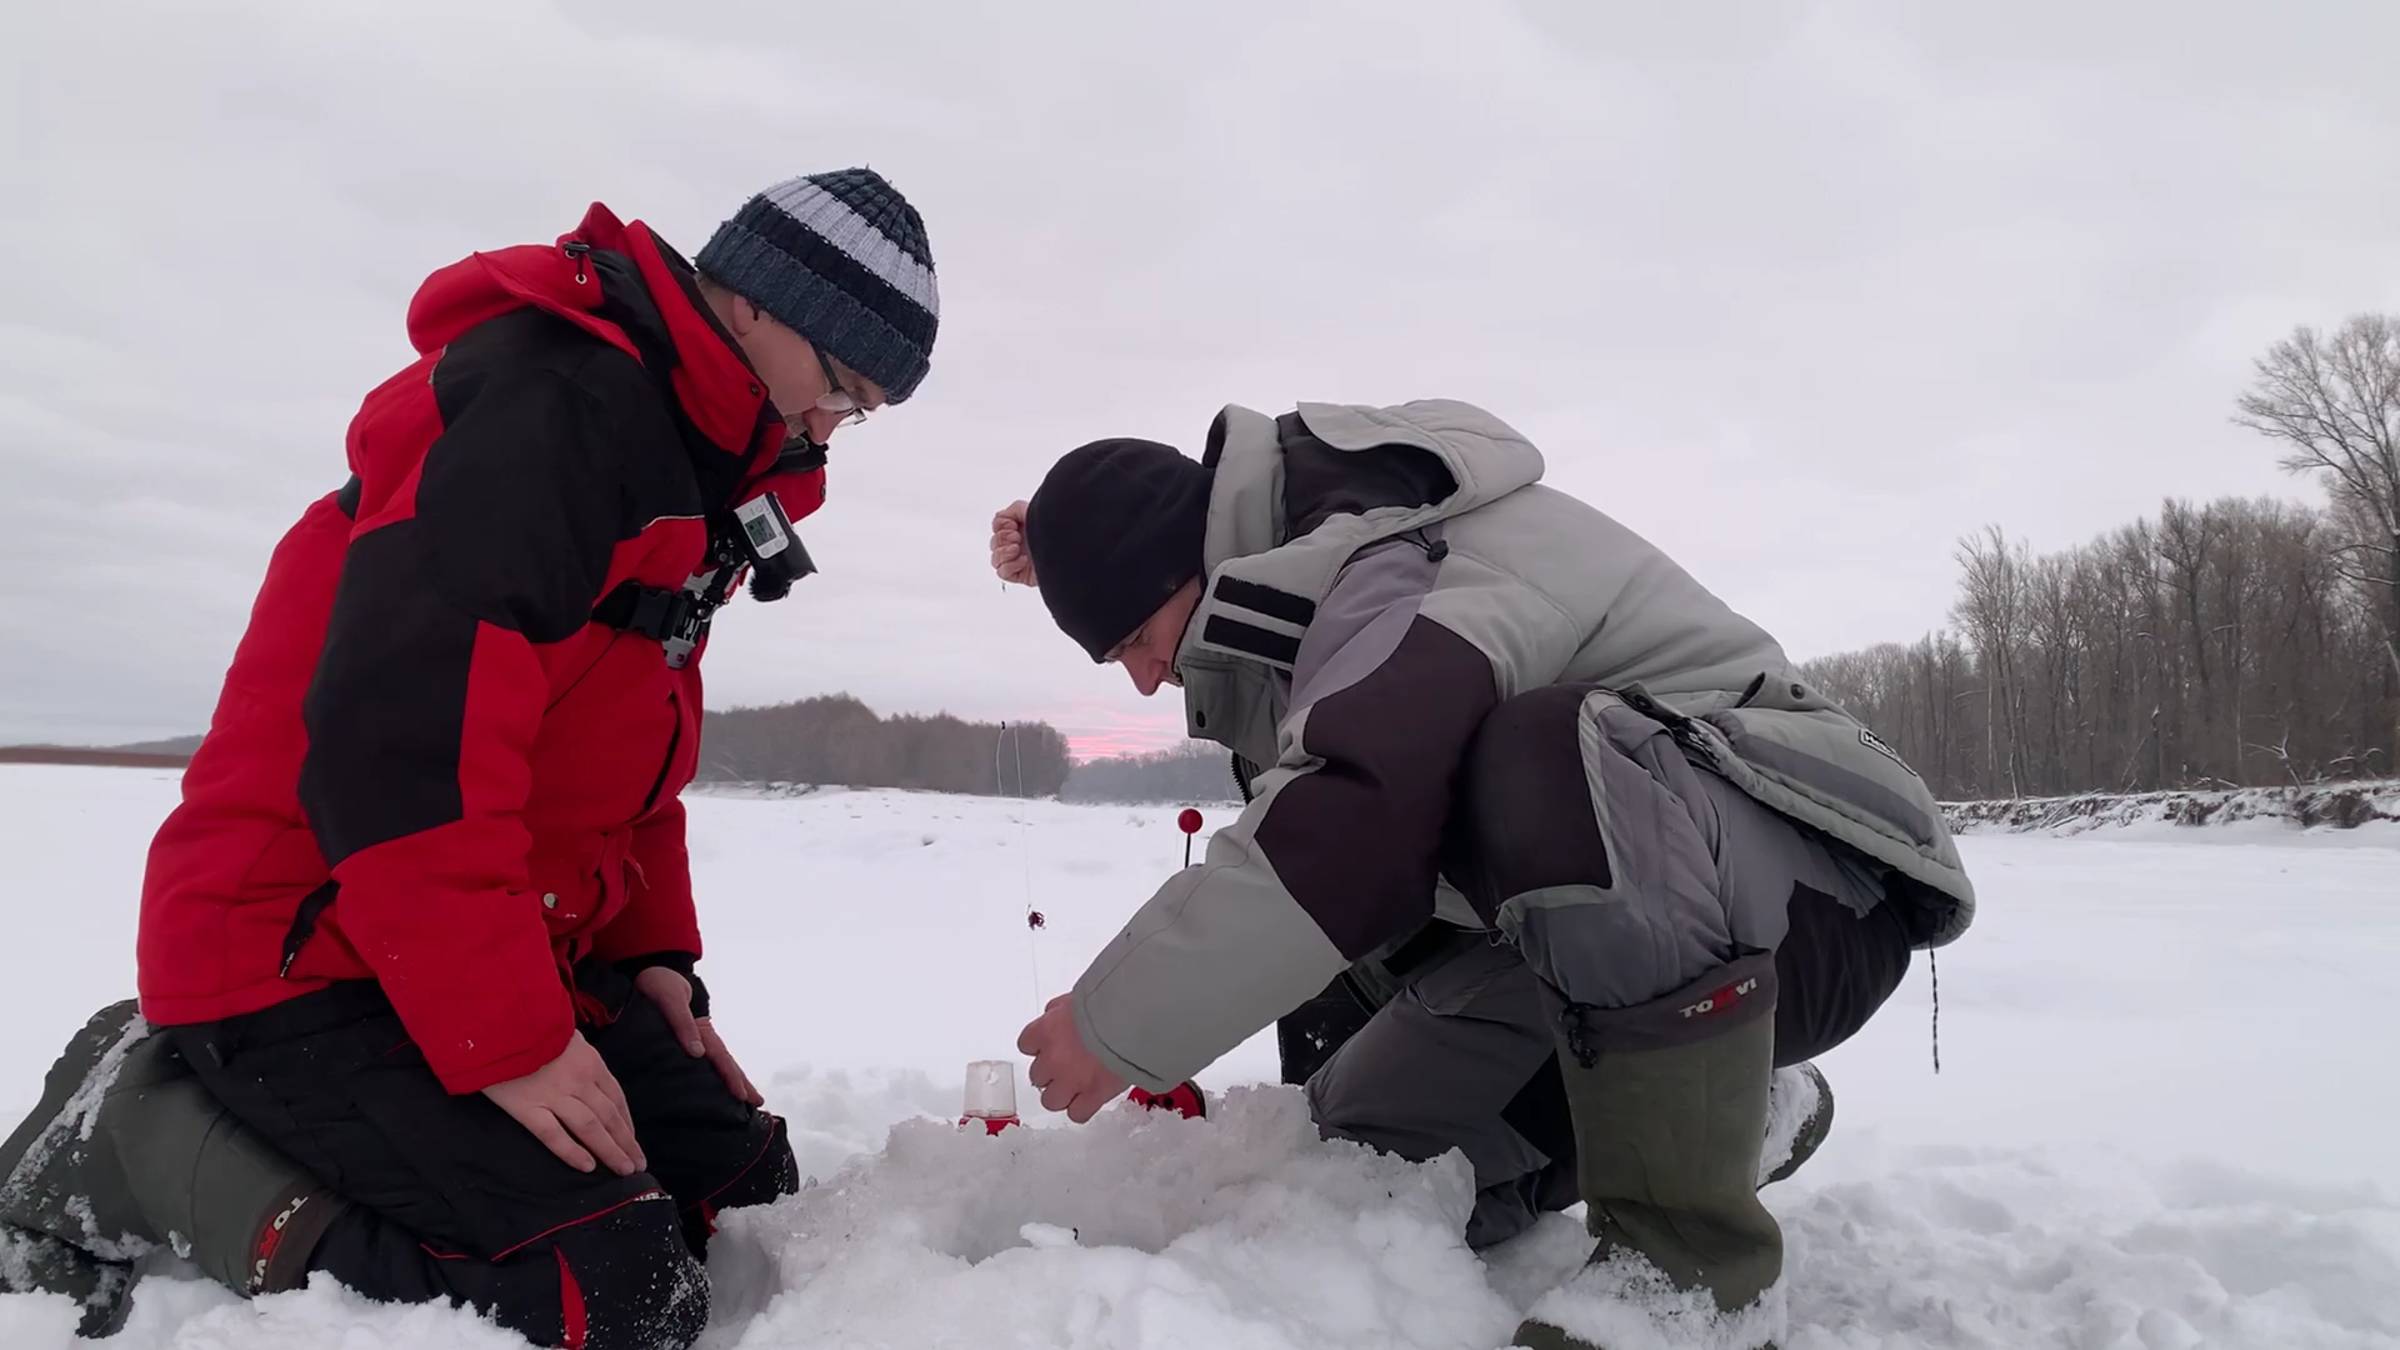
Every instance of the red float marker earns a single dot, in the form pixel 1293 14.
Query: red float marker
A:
pixel 1189 823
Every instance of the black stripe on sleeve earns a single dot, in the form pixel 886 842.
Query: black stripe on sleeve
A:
pixel 1234 635
pixel 1275 604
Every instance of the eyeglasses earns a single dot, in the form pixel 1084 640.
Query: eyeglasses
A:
pixel 836 399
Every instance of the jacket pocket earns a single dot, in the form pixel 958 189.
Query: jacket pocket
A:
pixel 1832 758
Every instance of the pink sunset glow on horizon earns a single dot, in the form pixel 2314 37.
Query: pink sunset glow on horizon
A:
pixel 1107 735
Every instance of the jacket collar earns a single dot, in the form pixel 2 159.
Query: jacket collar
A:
pixel 1261 589
pixel 640 298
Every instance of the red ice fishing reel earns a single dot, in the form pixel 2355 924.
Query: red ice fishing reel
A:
pixel 1184 1099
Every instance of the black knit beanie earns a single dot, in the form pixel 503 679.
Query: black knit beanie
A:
pixel 1114 530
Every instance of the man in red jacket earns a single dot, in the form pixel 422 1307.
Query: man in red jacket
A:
pixel 418 1003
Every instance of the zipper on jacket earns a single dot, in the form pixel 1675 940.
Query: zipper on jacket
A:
pixel 667 765
pixel 304 925
pixel 1243 772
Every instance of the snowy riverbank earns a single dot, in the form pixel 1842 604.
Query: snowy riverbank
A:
pixel 2373 806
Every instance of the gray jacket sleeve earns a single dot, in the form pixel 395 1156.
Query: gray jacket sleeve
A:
pixel 1336 854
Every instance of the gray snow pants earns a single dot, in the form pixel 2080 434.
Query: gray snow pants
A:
pixel 1684 876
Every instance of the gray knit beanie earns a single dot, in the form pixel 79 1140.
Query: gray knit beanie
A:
pixel 841 259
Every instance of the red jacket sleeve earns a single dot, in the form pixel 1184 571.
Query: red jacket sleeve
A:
pixel 425 704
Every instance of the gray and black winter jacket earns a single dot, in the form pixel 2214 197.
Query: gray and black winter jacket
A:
pixel 1378 579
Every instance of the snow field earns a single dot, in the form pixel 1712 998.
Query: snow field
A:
pixel 2165 1116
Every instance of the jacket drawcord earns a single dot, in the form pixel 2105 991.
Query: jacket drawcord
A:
pixel 1435 550
pixel 1933 962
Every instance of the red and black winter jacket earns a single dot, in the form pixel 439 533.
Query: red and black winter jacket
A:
pixel 429 766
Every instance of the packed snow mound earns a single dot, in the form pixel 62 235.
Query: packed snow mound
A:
pixel 1140 1229
pixel 833 1116
pixel 1145 1231
pixel 2373 806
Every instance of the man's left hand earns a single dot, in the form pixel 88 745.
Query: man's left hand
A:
pixel 673 994
pixel 1070 1077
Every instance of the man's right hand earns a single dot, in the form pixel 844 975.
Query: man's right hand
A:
pixel 1010 558
pixel 574 1106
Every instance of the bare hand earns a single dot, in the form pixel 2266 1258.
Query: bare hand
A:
pixel 1010 557
pixel 673 994
pixel 574 1106
pixel 1070 1077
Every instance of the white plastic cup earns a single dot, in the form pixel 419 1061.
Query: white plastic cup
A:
pixel 992 1089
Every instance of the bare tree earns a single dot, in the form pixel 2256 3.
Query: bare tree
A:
pixel 2217 644
pixel 2335 405
pixel 1992 606
pixel 2055 632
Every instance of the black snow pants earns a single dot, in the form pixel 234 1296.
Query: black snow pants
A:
pixel 451 1199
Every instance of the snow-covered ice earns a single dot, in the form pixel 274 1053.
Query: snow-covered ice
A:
pixel 2165 1117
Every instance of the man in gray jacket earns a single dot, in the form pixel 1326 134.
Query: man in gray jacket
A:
pixel 1486 707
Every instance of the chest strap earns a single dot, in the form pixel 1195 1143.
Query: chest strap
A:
pixel 676 620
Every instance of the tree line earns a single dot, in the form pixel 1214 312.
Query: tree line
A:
pixel 839 740
pixel 1196 771
pixel 2240 642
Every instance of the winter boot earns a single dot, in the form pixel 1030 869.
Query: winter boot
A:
pixel 126 1153
pixel 1669 1133
pixel 36 1263
pixel 1799 1116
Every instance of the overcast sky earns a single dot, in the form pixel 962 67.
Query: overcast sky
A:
pixel 1803 292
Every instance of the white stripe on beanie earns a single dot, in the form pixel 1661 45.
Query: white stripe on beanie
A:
pixel 832 219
